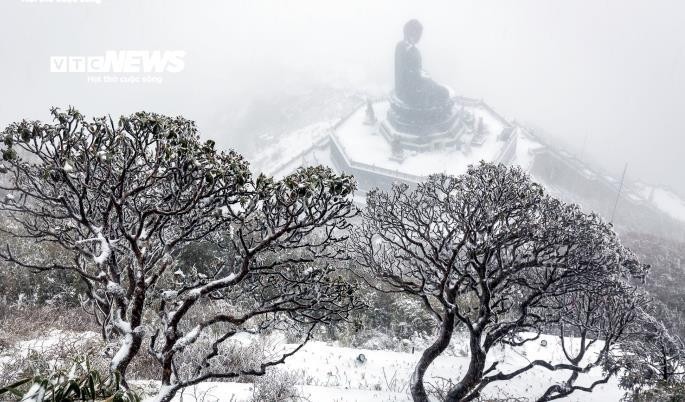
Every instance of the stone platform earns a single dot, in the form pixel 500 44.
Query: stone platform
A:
pixel 379 150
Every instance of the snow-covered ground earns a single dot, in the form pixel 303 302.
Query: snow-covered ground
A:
pixel 332 373
pixel 327 372
pixel 49 343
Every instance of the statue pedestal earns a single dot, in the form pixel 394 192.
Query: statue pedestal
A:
pixel 420 120
pixel 422 129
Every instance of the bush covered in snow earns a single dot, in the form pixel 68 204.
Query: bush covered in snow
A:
pixel 121 201
pixel 490 252
pixel 276 385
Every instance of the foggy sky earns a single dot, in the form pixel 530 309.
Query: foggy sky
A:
pixel 607 74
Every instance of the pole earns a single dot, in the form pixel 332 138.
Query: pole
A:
pixel 582 147
pixel 618 195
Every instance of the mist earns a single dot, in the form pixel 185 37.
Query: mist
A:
pixel 602 78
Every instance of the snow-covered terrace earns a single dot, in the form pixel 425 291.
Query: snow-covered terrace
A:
pixel 365 149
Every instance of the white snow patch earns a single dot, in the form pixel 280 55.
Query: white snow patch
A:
pixel 669 203
pixel 330 373
pixel 53 339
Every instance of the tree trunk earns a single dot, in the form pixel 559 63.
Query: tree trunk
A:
pixel 124 355
pixel 133 340
pixel 474 374
pixel 418 390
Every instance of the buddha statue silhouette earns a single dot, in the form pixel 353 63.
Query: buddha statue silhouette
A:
pixel 419 104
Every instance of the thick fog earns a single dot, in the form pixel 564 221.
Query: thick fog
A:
pixel 604 78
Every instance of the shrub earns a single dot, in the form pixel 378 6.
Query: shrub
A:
pixel 490 252
pixel 80 382
pixel 276 386
pixel 122 201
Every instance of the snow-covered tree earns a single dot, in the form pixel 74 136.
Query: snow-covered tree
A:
pixel 490 253
pixel 654 358
pixel 666 258
pixel 123 199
